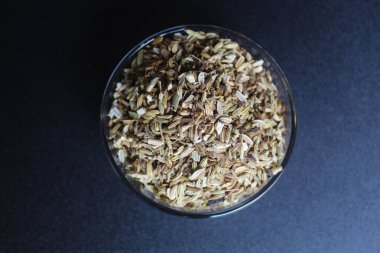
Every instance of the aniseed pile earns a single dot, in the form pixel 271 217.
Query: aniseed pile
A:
pixel 197 121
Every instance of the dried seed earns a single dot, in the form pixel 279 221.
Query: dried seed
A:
pixel 115 112
pixel 240 96
pixel 157 41
pixel 141 111
pixel 248 56
pixel 196 174
pixel 239 62
pixel 203 162
pixel 177 97
pixel 195 156
pixel 244 78
pixel 190 78
pixel 195 34
pixel 232 45
pixel 219 127
pixel 222 145
pixel 186 152
pixel 211 35
pixel 258 69
pixel 156 143
pixel 201 78
pixel 188 100
pixel 276 170
pixel 242 169
pixel 194 165
pixel 174 124
pixel 218 46
pixel 121 155
pixel 149 169
pixel 228 135
pixel 227 120
pixel 149 99
pixel 140 57
pixel 219 107
pixel 152 83
pixel 134 115
pixel 257 63
pixel 247 139
pixel 165 53
pixel 179 150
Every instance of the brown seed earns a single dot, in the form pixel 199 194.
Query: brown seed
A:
pixel 157 41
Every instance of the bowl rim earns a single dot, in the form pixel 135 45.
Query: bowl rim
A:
pixel 206 214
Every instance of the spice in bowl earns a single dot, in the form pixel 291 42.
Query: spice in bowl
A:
pixel 197 121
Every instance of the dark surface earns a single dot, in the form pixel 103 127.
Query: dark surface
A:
pixel 59 193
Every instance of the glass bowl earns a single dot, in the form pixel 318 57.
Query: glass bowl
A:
pixel 257 52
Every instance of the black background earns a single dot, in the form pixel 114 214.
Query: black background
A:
pixel 59 193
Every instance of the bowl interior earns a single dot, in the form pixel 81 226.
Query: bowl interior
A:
pixel 257 52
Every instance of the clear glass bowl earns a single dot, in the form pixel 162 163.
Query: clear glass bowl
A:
pixel 257 52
